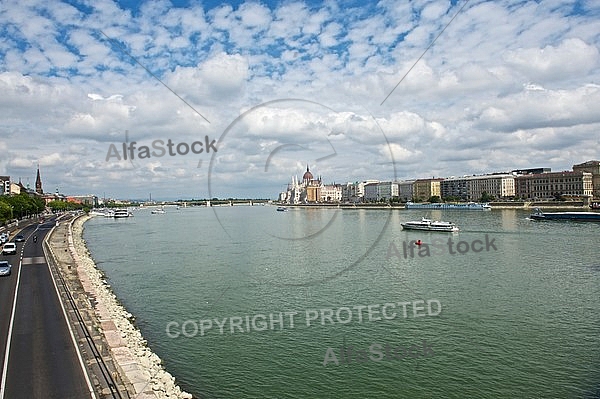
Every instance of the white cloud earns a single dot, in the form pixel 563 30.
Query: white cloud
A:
pixel 555 63
pixel 506 85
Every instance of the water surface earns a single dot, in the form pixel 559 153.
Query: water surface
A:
pixel 519 318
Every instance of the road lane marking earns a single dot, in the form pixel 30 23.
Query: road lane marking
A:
pixel 10 328
pixel 33 260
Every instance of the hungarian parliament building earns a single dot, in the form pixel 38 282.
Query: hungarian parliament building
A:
pixel 310 190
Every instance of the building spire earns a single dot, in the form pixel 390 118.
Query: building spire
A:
pixel 38 181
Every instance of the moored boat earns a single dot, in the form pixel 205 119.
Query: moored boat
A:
pixel 101 212
pixel 430 225
pixel 595 205
pixel 578 216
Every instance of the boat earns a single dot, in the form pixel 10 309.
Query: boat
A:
pixel 595 205
pixel 158 211
pixel 281 209
pixel 101 212
pixel 469 206
pixel 430 225
pixel 121 213
pixel 578 216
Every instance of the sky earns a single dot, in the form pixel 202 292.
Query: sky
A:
pixel 249 93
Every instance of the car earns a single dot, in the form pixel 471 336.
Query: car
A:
pixel 5 268
pixel 19 238
pixel 3 238
pixel 10 248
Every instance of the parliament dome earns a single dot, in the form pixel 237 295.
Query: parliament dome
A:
pixel 307 175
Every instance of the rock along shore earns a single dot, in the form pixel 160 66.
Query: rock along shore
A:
pixel 138 367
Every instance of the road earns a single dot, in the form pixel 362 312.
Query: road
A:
pixel 41 360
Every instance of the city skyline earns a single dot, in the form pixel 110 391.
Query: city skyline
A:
pixel 295 179
pixel 358 90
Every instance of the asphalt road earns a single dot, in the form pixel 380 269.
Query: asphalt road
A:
pixel 42 361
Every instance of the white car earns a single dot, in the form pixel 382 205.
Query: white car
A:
pixel 5 268
pixel 10 248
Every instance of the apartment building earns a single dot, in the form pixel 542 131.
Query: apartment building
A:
pixel 551 185
pixel 423 189
pixel 471 188
pixel 592 167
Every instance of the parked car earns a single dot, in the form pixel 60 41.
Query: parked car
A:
pixel 19 238
pixel 10 248
pixel 5 268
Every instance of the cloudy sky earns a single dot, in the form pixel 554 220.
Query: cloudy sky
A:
pixel 357 90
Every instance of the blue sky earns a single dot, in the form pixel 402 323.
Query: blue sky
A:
pixel 281 84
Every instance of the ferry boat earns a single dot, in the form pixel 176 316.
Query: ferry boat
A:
pixel 121 213
pixel 469 206
pixel 430 225
pixel 578 216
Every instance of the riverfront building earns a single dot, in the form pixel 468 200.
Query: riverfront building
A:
pixel 311 190
pixel 350 192
pixel 387 190
pixel 331 193
pixel 423 189
pixel 370 192
pixel 381 191
pixel 592 167
pixel 552 185
pixel 471 188
pixel 355 192
pixel 405 190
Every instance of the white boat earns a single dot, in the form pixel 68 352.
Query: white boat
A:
pixel 430 225
pixel 158 211
pixel 121 213
pixel 101 212
pixel 281 209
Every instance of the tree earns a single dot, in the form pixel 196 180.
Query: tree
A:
pixel 62 206
pixel 485 197
pixel 451 198
pixel 23 205
pixel 6 212
pixel 434 199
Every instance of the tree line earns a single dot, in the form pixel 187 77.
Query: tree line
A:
pixel 19 206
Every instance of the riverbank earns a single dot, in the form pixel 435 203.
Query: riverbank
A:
pixel 138 367
pixel 494 205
